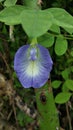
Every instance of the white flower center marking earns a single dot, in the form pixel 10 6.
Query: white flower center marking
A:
pixel 32 69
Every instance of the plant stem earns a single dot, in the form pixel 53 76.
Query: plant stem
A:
pixel 11 29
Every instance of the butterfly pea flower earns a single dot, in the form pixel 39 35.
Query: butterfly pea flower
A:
pixel 32 65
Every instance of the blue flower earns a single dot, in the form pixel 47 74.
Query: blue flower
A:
pixel 32 65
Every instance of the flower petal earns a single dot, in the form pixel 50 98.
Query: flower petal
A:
pixel 46 60
pixel 33 65
pixel 20 63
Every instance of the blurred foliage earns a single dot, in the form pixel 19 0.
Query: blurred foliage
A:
pixel 58 40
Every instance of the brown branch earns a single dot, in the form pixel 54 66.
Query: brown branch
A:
pixel 15 98
pixel 68 116
pixel 5 46
pixel 8 68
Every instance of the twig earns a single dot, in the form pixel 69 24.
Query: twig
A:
pixel 70 37
pixel 14 98
pixel 68 116
pixel 1 115
pixel 11 29
pixel 5 46
pixel 40 2
pixel 9 115
pixel 8 68
pixel 25 108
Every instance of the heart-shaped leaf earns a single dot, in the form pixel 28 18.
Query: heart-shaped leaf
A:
pixel 62 18
pixel 36 22
pixel 11 15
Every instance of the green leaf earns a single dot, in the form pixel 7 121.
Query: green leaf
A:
pixel 55 28
pixel 10 3
pixel 46 109
pixel 69 30
pixel 1 47
pixel 36 22
pixel 56 84
pixel 62 97
pixel 65 73
pixel 1 0
pixel 64 88
pixel 11 15
pixel 71 53
pixel 61 45
pixel 72 68
pixel 23 118
pixel 69 84
pixel 46 40
pixel 62 18
pixel 32 4
pixel 20 118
